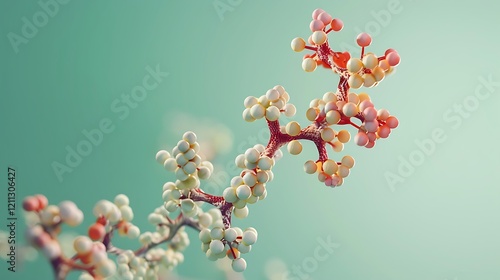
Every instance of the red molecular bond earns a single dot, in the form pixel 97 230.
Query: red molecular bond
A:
pixel 183 197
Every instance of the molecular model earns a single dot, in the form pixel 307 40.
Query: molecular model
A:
pixel 96 256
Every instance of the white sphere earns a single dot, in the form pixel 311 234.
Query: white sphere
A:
pixel 250 101
pixel 272 95
pixel 205 219
pixel 183 146
pixel 243 191
pixel 310 167
pixel 257 111
pixel 272 113
pixel 265 163
pixel 133 232
pixel 298 44
pixel 187 205
pixel 249 237
pixel 239 265
pixel 292 128
pixel 216 246
pixel 259 189
pixel 249 179
pixel 162 156
pixel 82 245
pixel 121 199
pixel 217 233
pixel 309 64
pixel 127 213
pixel 229 195
pixel 106 268
pixel 290 110
pixel 204 235
pixel 230 234
pixel 241 213
pixel 67 209
pixel 189 137
pixel 170 164
pixel 204 173
pixel 294 147
pixel 252 155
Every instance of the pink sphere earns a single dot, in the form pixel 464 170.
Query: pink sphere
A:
pixel 370 113
pixel 361 139
pixel 337 25
pixel 364 39
pixel 393 58
pixel 30 203
pixel 42 200
pixel 392 122
pixel 371 126
pixel 370 145
pixel 325 17
pixel 316 13
pixel 316 25
pixel 384 131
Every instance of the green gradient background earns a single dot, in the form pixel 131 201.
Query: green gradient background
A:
pixel 441 223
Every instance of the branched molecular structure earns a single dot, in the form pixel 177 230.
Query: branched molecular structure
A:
pixel 96 256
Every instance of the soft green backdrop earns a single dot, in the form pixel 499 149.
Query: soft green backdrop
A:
pixel 441 222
